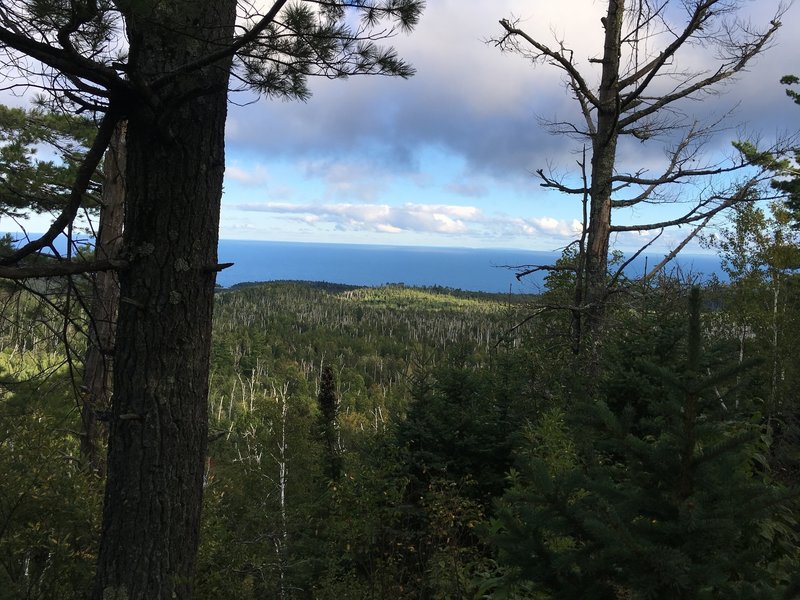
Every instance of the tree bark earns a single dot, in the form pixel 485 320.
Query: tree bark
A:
pixel 98 362
pixel 158 426
pixel 604 150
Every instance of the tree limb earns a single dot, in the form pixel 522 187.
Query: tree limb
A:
pixel 701 14
pixel 674 252
pixel 61 269
pixel 693 216
pixel 83 177
pixel 227 51
pixel 67 62
pixel 748 51
pixel 556 57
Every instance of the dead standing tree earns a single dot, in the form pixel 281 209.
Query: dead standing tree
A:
pixel 166 69
pixel 641 92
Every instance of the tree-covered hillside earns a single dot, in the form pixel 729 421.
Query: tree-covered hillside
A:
pixel 397 442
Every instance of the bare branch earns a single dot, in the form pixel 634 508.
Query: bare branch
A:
pixel 555 57
pixel 525 270
pixel 64 268
pixel 748 51
pixel 549 182
pixel 65 61
pixel 675 251
pixel 702 12
pixel 697 214
pixel 635 255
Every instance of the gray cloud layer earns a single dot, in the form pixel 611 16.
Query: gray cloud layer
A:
pixel 469 99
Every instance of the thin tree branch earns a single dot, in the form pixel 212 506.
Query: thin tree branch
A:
pixel 627 263
pixel 225 52
pixel 675 251
pixel 749 51
pixel 83 178
pixel 65 61
pixel 701 14
pixel 693 216
pixel 556 57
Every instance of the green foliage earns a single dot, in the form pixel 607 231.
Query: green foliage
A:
pixel 328 425
pixel 785 166
pixel 49 505
pixel 663 497
pixel 471 460
pixel 358 351
pixel 28 182
pixel 790 80
pixel 332 40
pixel 760 255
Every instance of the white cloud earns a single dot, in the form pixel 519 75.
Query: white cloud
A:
pixel 443 219
pixel 546 226
pixel 255 176
pixel 427 218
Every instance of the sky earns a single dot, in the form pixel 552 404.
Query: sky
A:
pixel 448 157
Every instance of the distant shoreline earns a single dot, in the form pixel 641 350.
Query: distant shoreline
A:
pixel 467 269
pixel 459 268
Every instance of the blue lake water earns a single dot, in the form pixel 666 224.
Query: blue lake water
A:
pixel 471 269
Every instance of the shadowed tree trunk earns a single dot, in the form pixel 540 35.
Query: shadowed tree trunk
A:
pixel 328 427
pixel 98 363
pixel 157 442
pixel 604 152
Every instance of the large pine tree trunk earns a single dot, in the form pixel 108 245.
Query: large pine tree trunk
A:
pixel 158 428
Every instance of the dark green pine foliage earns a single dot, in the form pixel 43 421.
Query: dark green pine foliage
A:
pixel 328 427
pixel 791 185
pixel 458 428
pixel 661 496
pixel 454 451
pixel 39 155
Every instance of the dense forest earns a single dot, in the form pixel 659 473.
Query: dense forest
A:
pixel 397 442
pixel 610 437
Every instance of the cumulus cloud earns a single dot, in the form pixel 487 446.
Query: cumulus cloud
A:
pixel 420 218
pixel 550 226
pixel 378 217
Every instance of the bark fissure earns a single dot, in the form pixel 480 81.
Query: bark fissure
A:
pixel 163 331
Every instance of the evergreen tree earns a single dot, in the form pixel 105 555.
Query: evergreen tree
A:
pixel 790 183
pixel 328 427
pixel 659 496
pixel 165 67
